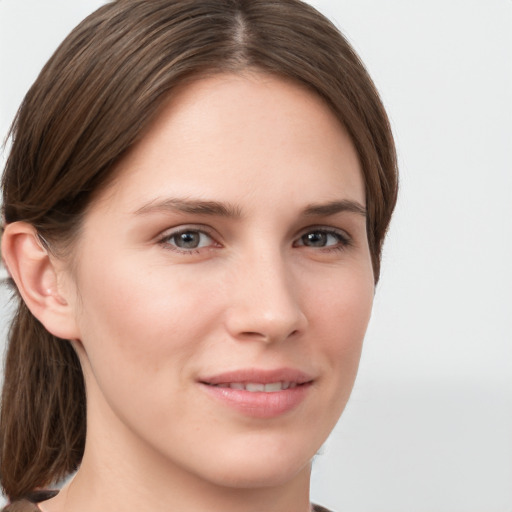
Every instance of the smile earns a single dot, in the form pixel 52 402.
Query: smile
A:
pixel 257 387
pixel 262 394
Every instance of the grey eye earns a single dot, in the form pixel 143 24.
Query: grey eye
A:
pixel 320 238
pixel 189 239
pixel 315 239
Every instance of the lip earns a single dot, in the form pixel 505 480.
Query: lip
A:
pixel 259 404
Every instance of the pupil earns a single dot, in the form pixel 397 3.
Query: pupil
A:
pixel 188 240
pixel 316 239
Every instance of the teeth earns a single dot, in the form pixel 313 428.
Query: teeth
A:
pixel 274 386
pixel 251 386
pixel 257 387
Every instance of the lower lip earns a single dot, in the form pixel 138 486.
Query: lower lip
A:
pixel 260 404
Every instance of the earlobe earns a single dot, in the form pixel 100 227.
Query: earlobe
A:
pixel 36 276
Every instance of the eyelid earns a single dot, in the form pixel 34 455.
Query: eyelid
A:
pixel 165 235
pixel 345 238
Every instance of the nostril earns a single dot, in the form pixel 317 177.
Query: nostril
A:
pixel 254 334
pixel 267 338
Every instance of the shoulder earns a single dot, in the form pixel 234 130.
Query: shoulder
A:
pixel 29 504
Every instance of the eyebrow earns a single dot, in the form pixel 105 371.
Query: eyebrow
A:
pixel 194 206
pixel 334 207
pixel 216 208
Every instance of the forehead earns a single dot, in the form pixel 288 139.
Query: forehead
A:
pixel 230 135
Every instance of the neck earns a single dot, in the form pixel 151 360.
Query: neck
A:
pixel 114 488
pixel 119 472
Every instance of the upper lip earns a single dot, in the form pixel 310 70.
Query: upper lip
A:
pixel 261 376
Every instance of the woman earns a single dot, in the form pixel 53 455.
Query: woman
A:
pixel 195 204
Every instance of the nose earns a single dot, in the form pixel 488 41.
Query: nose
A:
pixel 264 301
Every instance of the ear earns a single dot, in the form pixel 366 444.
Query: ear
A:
pixel 38 276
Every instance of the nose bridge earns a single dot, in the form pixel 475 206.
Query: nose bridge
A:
pixel 265 304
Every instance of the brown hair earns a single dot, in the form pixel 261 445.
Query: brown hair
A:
pixel 91 102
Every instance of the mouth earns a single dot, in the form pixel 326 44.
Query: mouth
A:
pixel 259 393
pixel 259 387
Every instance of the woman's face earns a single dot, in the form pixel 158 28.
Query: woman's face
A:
pixel 223 285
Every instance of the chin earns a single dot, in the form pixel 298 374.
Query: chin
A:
pixel 259 461
pixel 254 474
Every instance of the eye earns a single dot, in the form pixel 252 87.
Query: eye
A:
pixel 186 240
pixel 323 238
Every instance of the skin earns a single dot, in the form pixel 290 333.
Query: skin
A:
pixel 268 287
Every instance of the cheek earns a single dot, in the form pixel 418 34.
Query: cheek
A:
pixel 342 306
pixel 342 313
pixel 143 319
pixel 142 336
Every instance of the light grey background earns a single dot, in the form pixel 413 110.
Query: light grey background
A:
pixel 429 425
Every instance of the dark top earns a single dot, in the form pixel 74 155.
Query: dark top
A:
pixel 30 503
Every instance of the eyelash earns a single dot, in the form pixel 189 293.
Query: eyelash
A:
pixel 343 240
pixel 165 240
